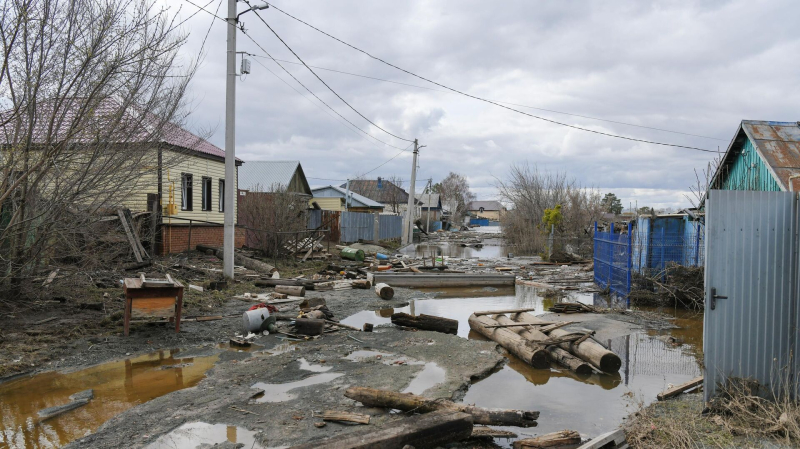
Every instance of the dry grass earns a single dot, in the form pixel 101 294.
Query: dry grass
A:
pixel 747 410
pixel 675 424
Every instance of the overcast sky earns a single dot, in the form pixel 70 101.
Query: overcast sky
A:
pixel 697 67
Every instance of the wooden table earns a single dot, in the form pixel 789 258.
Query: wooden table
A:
pixel 153 298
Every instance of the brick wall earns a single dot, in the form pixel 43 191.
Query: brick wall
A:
pixel 175 238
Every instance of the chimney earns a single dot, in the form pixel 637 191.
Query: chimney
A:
pixel 380 184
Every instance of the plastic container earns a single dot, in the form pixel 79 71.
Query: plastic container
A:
pixel 257 320
pixel 353 254
pixel 380 256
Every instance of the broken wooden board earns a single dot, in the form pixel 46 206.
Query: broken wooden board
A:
pixel 422 431
pixel 347 417
pixel 678 389
pixel 617 437
pixel 563 438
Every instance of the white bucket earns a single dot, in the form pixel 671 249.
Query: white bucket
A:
pixel 253 320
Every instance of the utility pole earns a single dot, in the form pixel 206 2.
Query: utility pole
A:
pixel 409 231
pixel 428 215
pixel 231 184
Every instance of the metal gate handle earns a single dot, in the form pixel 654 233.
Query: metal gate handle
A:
pixel 714 297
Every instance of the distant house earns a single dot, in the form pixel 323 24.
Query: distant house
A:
pixel 763 156
pixel 393 198
pixel 492 210
pixel 430 203
pixel 270 176
pixel 335 198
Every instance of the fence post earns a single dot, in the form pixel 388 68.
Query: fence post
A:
pixel 594 253
pixel 630 255
pixel 697 245
pixel 612 248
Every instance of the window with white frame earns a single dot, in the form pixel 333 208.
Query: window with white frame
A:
pixel 206 190
pixel 186 191
pixel 221 195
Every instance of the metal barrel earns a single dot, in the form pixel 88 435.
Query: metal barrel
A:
pixel 353 254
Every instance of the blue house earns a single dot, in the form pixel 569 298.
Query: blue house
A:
pixel 763 156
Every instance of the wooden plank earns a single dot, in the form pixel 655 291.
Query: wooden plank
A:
pixel 494 312
pixel 488 432
pixel 136 238
pixel 678 389
pixel 337 416
pixel 429 430
pixel 616 436
pixel 562 438
pixel 129 234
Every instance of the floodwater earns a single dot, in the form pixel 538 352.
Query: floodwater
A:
pixel 117 387
pixel 200 434
pixel 589 404
pixel 448 249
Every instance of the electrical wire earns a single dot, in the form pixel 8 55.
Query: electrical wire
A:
pixel 326 84
pixel 389 160
pixel 499 101
pixel 202 46
pixel 475 97
pixel 202 8
pixel 317 97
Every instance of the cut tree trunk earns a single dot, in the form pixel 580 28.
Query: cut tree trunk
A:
pixel 426 322
pixel 530 353
pixel 362 284
pixel 255 265
pixel 555 440
pixel 372 397
pixel 555 353
pixel 384 291
pixel 308 326
pixel 291 290
pixel 589 350
pixel 420 431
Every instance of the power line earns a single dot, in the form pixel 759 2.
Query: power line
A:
pixel 389 160
pixel 209 28
pixel 316 96
pixel 499 101
pixel 484 99
pixel 326 84
pixel 202 8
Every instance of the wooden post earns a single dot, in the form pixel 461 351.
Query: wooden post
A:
pixel 530 353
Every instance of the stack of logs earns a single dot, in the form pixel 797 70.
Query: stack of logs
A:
pixel 538 342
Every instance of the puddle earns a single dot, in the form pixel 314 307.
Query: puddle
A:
pixel 456 250
pixel 281 348
pixel 199 434
pixel 280 392
pixel 649 365
pixel 466 292
pixel 117 387
pixel 305 366
pixel 429 377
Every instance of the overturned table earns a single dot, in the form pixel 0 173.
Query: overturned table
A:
pixel 153 298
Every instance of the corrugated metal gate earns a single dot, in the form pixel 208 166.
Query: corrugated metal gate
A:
pixel 750 328
pixel 391 227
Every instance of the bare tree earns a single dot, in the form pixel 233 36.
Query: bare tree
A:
pixel 274 217
pixel 530 192
pixel 394 196
pixel 454 190
pixel 88 89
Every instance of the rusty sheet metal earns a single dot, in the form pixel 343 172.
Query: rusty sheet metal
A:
pixel 779 144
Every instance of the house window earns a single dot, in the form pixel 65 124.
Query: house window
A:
pixel 186 191
pixel 221 195
pixel 206 186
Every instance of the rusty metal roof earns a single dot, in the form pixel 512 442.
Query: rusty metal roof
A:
pixel 778 144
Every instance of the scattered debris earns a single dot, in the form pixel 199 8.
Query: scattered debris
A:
pixel 347 417
pixel 426 322
pixel 384 291
pixel 678 389
pixel 563 438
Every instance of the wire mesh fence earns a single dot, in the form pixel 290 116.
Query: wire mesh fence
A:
pixel 612 260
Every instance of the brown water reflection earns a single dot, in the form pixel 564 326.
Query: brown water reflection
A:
pixel 117 387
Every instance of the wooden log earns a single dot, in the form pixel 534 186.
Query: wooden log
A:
pixel 276 282
pixel 52 412
pixel 555 439
pixel 589 350
pixel 420 431
pixel 384 291
pixel 530 353
pixel 361 283
pixel 678 389
pixel 488 432
pixel 308 326
pixel 252 264
pixel 426 322
pixel 555 353
pixel 373 397
pixel 291 290
pixel 337 416
pixel 368 327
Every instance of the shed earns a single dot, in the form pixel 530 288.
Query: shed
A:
pixel 357 203
pixel 762 156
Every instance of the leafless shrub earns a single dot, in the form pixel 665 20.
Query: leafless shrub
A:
pixel 454 191
pixel 88 89
pixel 675 285
pixel 275 218
pixel 530 192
